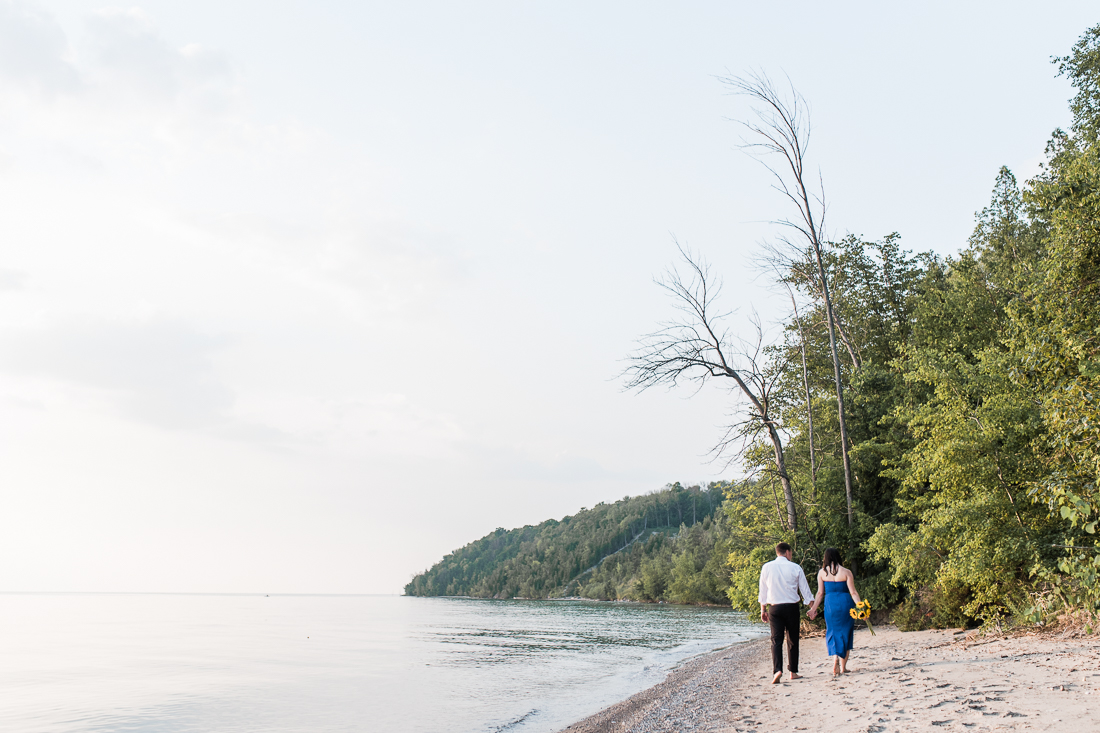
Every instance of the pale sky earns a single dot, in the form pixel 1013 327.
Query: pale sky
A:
pixel 299 297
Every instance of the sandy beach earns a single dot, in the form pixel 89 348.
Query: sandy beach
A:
pixel 915 681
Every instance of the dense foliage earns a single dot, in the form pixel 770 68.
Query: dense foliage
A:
pixel 666 545
pixel 974 423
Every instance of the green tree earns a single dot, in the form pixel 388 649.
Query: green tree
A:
pixel 875 286
pixel 1056 329
pixel 966 528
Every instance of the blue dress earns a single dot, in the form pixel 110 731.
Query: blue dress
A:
pixel 839 625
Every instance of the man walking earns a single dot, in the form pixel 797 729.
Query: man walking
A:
pixel 781 582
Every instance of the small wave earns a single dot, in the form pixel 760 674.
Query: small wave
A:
pixel 514 723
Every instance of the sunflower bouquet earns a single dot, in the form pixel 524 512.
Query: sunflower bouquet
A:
pixel 862 612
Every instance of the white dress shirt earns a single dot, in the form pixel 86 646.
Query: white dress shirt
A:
pixel 781 581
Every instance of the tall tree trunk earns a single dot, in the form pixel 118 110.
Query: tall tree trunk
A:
pixel 837 378
pixel 764 416
pixel 784 479
pixel 809 401
pixel 845 339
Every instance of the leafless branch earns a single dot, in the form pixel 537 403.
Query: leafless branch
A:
pixel 696 347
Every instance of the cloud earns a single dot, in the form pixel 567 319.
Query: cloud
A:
pixel 127 45
pixel 159 371
pixel 34 51
pixel 115 98
pixel 141 195
pixel 159 131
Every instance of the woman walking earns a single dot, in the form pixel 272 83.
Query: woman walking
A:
pixel 836 586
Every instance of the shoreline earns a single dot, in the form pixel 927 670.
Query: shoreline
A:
pixel 899 681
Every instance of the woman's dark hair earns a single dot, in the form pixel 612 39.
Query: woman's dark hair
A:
pixel 831 562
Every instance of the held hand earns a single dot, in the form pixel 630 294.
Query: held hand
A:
pixel 811 613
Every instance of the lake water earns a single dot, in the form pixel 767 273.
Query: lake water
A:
pixel 234 663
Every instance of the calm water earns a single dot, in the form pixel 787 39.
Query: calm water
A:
pixel 229 664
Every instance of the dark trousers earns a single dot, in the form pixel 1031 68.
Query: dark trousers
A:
pixel 784 617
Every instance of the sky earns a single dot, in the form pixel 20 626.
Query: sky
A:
pixel 299 297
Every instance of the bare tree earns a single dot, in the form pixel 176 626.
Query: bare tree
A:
pixel 696 348
pixel 782 129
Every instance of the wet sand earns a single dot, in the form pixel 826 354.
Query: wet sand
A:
pixel 916 681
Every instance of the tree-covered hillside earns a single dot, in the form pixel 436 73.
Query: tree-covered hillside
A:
pixel 665 545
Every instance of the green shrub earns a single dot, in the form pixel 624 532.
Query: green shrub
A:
pixel 908 616
pixel 879 591
pixel 947 606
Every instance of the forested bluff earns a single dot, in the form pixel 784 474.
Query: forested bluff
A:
pixel 971 423
pixel 668 545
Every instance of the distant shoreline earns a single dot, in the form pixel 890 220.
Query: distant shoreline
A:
pixel 918 681
pixel 586 600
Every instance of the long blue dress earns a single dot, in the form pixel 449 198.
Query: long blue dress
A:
pixel 839 625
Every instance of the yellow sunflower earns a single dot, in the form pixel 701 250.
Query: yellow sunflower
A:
pixel 862 612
